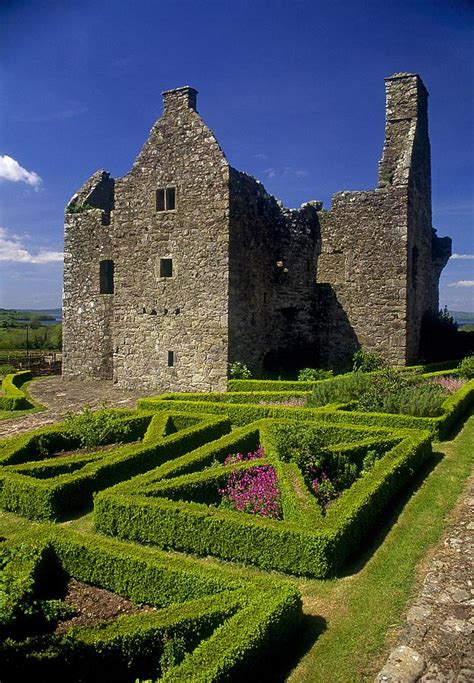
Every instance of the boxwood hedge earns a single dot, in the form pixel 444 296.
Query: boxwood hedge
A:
pixel 454 408
pixel 172 506
pixel 205 623
pixel 13 397
pixel 42 487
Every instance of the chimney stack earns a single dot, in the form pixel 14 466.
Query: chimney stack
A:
pixel 178 98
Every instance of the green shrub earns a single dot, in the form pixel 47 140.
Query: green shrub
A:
pixel 239 371
pixel 394 392
pixel 367 361
pixel 312 374
pixel 76 207
pixel 97 428
pixel 466 367
pixel 339 390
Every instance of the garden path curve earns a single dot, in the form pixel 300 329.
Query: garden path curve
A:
pixel 60 396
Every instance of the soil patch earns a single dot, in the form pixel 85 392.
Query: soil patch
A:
pixel 94 605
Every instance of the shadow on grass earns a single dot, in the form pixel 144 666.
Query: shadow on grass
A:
pixel 279 662
pixel 389 517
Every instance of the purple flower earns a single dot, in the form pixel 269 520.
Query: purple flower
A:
pixel 254 490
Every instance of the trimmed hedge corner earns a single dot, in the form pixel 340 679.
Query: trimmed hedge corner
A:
pixel 14 398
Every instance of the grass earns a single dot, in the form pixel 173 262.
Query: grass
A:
pixel 360 610
pixel 350 621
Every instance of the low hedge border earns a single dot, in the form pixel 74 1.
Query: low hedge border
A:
pixel 135 511
pixel 57 488
pixel 239 397
pixel 238 385
pixel 222 621
pixel 455 407
pixel 13 397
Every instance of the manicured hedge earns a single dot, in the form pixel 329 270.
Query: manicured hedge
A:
pixel 13 397
pixel 274 385
pixel 216 623
pixel 150 509
pixel 41 487
pixel 239 414
pixel 239 397
pixel 454 408
pixel 238 385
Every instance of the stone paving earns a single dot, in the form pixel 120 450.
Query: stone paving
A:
pixel 60 396
pixel 435 645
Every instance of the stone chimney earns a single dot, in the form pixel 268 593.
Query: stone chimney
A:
pixel 180 98
pixel 406 119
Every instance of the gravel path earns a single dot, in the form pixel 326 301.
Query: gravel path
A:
pixel 60 396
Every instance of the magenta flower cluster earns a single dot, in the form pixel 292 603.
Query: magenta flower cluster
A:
pixel 242 457
pixel 254 490
pixel 450 383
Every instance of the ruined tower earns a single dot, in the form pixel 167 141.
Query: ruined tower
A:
pixel 185 264
pixel 379 268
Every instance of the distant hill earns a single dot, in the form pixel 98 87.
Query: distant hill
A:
pixel 463 318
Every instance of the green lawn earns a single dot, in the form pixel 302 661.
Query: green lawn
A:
pixel 350 620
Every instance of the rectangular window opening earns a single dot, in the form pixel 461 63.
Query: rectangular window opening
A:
pixel 170 198
pixel 106 277
pixel 170 359
pixel 166 267
pixel 166 199
pixel 160 200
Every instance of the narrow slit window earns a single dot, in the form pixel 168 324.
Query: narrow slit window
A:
pixel 170 359
pixel 166 267
pixel 106 277
pixel 166 199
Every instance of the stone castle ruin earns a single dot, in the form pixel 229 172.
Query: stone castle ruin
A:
pixel 185 264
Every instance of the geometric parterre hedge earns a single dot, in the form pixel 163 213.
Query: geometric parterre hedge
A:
pixel 205 624
pixel 243 408
pixel 175 506
pixel 39 486
pixel 14 398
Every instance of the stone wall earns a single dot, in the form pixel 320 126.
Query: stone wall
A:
pixel 185 313
pixel 271 270
pixel 87 314
pixel 361 275
pixel 381 260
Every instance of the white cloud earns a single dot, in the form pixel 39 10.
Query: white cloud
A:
pixel 12 249
pixel 462 257
pixel 11 170
pixel 462 283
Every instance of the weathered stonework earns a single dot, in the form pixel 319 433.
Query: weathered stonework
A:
pixel 251 280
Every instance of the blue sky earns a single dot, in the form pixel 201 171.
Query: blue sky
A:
pixel 293 90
